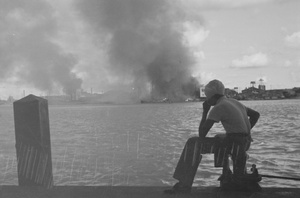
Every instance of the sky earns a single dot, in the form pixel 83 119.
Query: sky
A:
pixel 56 46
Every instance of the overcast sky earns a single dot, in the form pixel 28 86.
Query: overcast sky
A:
pixel 47 46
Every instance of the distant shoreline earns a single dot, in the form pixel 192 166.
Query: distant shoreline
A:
pixel 107 103
pixel 74 103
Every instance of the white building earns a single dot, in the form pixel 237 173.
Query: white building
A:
pixel 202 94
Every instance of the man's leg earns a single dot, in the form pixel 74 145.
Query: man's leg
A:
pixel 221 157
pixel 190 159
pixel 239 158
pixel 238 149
pixel 188 163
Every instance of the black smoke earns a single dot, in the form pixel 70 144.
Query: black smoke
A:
pixel 144 42
pixel 27 49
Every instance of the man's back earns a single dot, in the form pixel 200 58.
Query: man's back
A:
pixel 232 114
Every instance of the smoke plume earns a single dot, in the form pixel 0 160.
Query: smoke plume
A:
pixel 27 50
pixel 145 43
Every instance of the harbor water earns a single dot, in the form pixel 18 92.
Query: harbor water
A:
pixel 139 145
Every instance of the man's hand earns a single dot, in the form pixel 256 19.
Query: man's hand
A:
pixel 206 106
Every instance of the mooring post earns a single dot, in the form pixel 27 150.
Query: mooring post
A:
pixel 33 143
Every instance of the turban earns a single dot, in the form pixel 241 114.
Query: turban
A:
pixel 214 87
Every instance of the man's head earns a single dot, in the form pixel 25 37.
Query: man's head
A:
pixel 214 90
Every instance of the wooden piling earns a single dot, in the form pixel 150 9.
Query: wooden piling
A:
pixel 33 143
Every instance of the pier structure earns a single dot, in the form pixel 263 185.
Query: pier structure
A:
pixel 33 145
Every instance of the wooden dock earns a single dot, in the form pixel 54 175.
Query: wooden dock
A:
pixel 137 192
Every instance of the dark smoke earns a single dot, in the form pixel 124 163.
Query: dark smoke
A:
pixel 144 42
pixel 27 49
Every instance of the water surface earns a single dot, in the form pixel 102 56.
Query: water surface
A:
pixel 139 145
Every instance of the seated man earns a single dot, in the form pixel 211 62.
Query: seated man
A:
pixel 237 121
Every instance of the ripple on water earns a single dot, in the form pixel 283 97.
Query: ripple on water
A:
pixel 141 144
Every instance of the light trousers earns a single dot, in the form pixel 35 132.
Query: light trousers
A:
pixel 222 148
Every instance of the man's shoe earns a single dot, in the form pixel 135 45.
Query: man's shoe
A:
pixel 179 189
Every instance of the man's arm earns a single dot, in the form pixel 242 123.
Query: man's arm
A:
pixel 205 124
pixel 253 116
